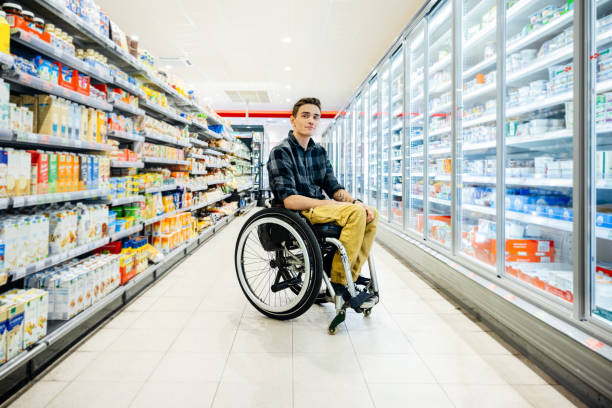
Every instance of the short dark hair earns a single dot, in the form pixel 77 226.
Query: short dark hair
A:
pixel 305 101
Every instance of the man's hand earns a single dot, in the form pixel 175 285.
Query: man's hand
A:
pixel 369 212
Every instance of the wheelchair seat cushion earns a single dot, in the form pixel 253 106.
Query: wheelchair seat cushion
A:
pixel 328 230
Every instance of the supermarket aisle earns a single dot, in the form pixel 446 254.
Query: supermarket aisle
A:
pixel 192 341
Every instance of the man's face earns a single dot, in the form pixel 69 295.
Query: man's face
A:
pixel 307 120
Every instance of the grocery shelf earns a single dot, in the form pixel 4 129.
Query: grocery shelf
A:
pixel 127 164
pixel 125 200
pixel 480 67
pixel 46 141
pixel 541 63
pixel 479 120
pixel 164 216
pixel 199 173
pixel 220 149
pixel 30 200
pixel 479 92
pixel 34 43
pixel 245 188
pixel 29 81
pixel 440 177
pixel 553 26
pixel 213 152
pixel 198 126
pixel 548 102
pixel 198 142
pixel 416 196
pixel 218 182
pixel 57 259
pixel 167 187
pixel 127 108
pixel 439 201
pixel 123 136
pixel 446 107
pixel 165 113
pixel 125 233
pixel 127 86
pixel 159 160
pixel 522 181
pixel 444 86
pixel 197 156
pixel 440 151
pixel 4 203
pixel 438 132
pixel 169 140
pixel 198 188
pixel 441 64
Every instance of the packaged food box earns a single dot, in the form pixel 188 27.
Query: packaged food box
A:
pixel 14 330
pixel 4 313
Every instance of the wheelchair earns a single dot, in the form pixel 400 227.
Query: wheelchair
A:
pixel 283 265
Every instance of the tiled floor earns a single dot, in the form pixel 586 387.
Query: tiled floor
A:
pixel 193 341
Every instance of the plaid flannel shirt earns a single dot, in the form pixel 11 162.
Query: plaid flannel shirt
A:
pixel 293 170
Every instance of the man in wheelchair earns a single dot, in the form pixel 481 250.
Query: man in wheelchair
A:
pixel 299 173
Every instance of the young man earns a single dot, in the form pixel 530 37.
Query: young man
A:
pixel 300 172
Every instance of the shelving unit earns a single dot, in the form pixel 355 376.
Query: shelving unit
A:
pixel 127 164
pixel 158 160
pixel 45 141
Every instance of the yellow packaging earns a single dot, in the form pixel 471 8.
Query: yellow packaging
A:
pixel 5 36
pixel 92 125
pixel 14 332
pixel 101 127
pixel 30 316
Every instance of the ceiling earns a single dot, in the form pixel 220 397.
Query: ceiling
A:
pixel 286 48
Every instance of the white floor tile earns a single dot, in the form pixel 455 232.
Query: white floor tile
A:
pixel 326 368
pixel 161 320
pixel 123 320
pixel 207 320
pixel 71 366
pixel 263 336
pixel 259 368
pixel 395 369
pixel 141 304
pixel 461 369
pixel 183 395
pixel 158 339
pixel 189 367
pixel 380 341
pixel 176 304
pixel 499 396
pixel 40 394
pixel 124 366
pixel 348 395
pixel 212 340
pixel 258 395
pixel 516 370
pixel 101 339
pixel 409 395
pixel 308 340
pixel 95 395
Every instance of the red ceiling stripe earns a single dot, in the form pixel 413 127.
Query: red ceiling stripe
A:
pixel 268 114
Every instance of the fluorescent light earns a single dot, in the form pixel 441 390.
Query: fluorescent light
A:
pixel 287 68
pixel 286 40
pixel 288 100
pixel 287 86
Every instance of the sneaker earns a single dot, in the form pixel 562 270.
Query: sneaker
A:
pixel 362 300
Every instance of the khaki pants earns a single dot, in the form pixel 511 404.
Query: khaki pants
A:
pixel 357 236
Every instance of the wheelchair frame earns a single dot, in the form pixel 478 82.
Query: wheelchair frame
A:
pixel 341 305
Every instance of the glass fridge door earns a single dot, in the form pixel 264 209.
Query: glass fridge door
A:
pixel 358 118
pixel 335 149
pixel 373 162
pixel 476 143
pixel 601 209
pixel 350 149
pixel 384 156
pixel 415 101
pixel 438 144
pixel 539 147
pixel 397 137
pixel 341 150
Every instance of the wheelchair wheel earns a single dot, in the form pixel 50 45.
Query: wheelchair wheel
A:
pixel 278 263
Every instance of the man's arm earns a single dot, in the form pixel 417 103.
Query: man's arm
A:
pixel 300 202
pixel 343 196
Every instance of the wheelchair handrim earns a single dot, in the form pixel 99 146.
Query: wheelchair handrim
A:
pixel 247 286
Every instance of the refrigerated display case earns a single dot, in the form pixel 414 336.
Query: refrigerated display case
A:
pixel 439 117
pixel 384 158
pixel 358 120
pixel 600 277
pixel 414 156
pixel 349 155
pixel 397 138
pixel 373 160
pixel 528 213
pixel 476 146
pixel 341 149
